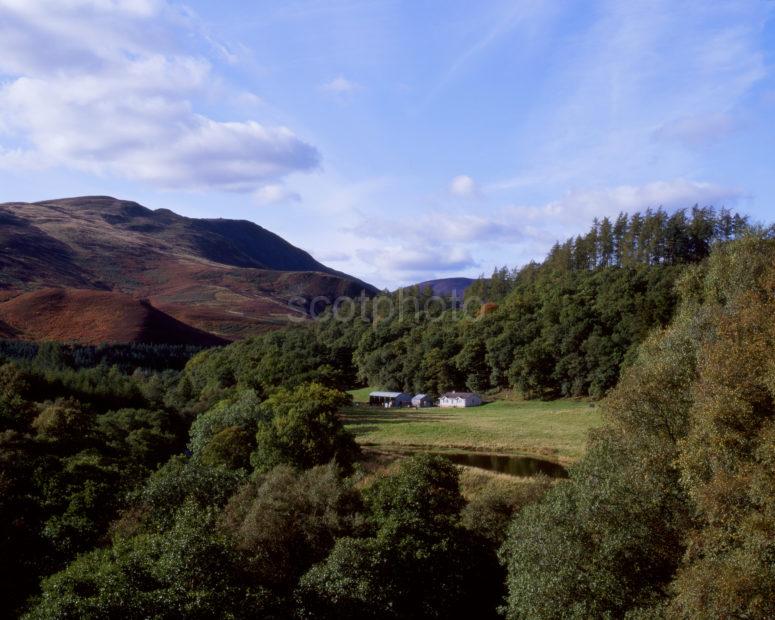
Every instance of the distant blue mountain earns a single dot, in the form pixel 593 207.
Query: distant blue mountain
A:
pixel 444 287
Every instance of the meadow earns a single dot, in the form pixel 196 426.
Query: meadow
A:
pixel 555 430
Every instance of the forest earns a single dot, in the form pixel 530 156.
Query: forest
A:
pixel 157 482
pixel 563 327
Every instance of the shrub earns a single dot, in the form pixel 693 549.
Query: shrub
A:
pixel 305 430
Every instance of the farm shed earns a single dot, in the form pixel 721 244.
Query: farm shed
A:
pixel 390 399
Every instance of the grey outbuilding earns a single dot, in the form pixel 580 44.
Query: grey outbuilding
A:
pixel 422 400
pixel 390 399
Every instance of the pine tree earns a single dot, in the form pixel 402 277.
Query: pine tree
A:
pixel 606 243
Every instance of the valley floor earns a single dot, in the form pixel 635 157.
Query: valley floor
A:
pixel 554 430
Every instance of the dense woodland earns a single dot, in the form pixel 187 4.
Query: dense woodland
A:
pixel 564 327
pixel 130 488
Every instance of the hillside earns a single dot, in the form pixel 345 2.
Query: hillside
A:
pixel 445 287
pixel 94 317
pixel 228 277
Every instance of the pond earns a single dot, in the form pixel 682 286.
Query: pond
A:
pixel 512 465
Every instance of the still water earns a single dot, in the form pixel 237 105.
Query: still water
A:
pixel 512 465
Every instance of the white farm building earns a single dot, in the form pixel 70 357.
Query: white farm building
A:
pixel 460 399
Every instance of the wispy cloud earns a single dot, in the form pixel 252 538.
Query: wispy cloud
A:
pixel 400 260
pixel 581 206
pixel 341 85
pixel 501 20
pixel 697 131
pixel 443 227
pixel 643 70
pixel 439 243
pixel 550 114
pixel 273 194
pixel 463 185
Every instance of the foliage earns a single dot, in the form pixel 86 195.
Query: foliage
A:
pixel 564 327
pixel 81 497
pixel 242 410
pixel 287 520
pixel 182 480
pixel 674 496
pixel 130 489
pixel 424 495
pixel 139 438
pixel 128 357
pixel 25 552
pixel 420 562
pixel 230 447
pixel 68 460
pixel 655 237
pixel 304 430
pixel 64 420
pixel 286 358
pixel 596 546
pixel 727 457
pixel 187 572
pixel 493 507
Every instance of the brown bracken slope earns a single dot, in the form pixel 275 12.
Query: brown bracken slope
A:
pixel 226 278
pixel 94 317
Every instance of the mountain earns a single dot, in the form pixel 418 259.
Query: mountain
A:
pixel 81 316
pixel 444 287
pixel 228 278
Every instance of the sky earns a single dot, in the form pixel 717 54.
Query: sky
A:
pixel 398 141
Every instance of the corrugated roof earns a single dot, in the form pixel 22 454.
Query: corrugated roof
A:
pixel 421 396
pixel 458 394
pixel 386 394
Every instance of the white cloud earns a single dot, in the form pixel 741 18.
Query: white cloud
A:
pixel 341 85
pixel 336 195
pixel 463 185
pixel 400 259
pixel 445 227
pixel 580 206
pixel 437 243
pixel 111 92
pixel 248 99
pixel 433 244
pixel 275 193
pixel 18 159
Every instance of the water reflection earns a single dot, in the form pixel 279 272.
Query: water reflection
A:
pixel 512 465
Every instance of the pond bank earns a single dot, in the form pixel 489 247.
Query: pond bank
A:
pixel 519 465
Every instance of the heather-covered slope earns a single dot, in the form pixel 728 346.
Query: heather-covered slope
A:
pixel 94 317
pixel 232 278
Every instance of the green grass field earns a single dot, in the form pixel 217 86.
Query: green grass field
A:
pixel 361 395
pixel 555 429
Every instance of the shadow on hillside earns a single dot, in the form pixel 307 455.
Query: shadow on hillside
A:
pixel 363 429
pixel 378 416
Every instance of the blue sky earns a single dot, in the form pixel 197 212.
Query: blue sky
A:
pixel 397 141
